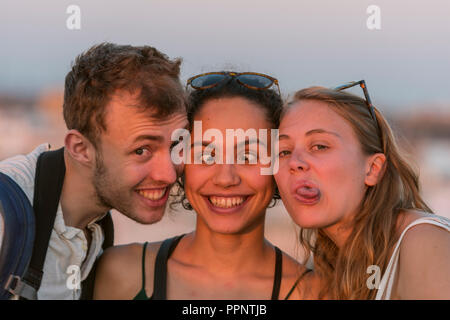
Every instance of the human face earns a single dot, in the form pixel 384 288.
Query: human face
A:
pixel 134 171
pixel 229 198
pixel 322 170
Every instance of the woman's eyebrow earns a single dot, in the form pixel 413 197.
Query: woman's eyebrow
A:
pixel 311 132
pixel 246 142
pixel 250 141
pixel 202 143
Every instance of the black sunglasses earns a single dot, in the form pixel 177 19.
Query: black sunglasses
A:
pixel 363 86
pixel 251 80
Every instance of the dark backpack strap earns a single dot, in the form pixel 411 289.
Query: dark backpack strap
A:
pixel 87 285
pixel 278 274
pixel 50 172
pixel 160 276
pixel 49 179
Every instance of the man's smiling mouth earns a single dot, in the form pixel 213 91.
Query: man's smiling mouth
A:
pixel 153 194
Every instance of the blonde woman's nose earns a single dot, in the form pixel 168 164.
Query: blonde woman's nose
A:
pixel 297 162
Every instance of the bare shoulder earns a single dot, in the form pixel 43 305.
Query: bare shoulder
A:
pixel 423 243
pixel 408 216
pixel 118 273
pixel 424 251
pixel 423 233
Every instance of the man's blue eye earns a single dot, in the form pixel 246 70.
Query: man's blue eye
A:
pixel 140 151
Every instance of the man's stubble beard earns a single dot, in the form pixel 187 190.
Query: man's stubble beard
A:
pixel 105 194
pixel 109 196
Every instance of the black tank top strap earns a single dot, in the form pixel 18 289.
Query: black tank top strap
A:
pixel 143 265
pixel 296 283
pixel 160 274
pixel 278 274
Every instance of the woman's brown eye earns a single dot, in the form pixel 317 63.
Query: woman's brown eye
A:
pixel 283 153
pixel 248 157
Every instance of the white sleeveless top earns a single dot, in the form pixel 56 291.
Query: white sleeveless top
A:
pixel 386 283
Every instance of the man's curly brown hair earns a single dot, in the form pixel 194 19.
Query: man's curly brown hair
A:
pixel 106 68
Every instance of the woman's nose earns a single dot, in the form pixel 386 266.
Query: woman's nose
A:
pixel 297 162
pixel 226 175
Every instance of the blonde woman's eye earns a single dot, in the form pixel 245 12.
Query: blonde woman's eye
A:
pixel 319 147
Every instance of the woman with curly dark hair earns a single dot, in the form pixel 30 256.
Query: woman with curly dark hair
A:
pixel 227 256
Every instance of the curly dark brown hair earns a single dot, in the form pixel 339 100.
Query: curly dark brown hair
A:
pixel 105 68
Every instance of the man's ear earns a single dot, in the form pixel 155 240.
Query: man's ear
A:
pixel 376 165
pixel 79 148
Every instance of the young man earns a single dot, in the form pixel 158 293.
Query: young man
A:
pixel 121 105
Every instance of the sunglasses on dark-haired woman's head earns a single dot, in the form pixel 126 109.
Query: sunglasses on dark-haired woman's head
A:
pixel 251 80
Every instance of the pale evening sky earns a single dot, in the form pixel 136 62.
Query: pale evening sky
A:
pixel 302 43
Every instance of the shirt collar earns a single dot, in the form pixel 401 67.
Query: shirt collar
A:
pixel 69 232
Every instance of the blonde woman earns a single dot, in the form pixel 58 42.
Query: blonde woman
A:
pixel 344 180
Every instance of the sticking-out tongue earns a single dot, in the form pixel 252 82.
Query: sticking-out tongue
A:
pixel 308 193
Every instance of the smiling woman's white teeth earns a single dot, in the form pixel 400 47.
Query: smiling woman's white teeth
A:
pixel 226 202
pixel 153 194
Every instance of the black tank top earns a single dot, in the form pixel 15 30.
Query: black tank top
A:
pixel 160 274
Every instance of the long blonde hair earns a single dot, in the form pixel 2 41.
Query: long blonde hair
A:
pixel 344 270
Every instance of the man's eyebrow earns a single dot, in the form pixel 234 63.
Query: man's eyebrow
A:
pixel 311 132
pixel 283 137
pixel 149 137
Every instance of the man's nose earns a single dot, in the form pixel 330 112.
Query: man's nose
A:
pixel 162 169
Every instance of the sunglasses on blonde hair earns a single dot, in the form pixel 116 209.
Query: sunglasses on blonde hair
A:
pixel 369 104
